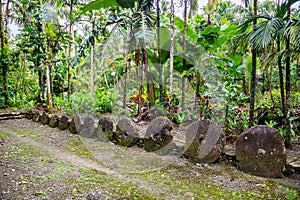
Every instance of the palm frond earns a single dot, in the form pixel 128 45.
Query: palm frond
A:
pixel 240 42
pixel 293 31
pixel 143 27
pixel 143 23
pixel 264 31
pixel 88 41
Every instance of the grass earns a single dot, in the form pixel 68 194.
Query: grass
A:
pixel 172 181
pixel 4 135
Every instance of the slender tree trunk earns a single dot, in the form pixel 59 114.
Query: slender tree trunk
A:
pixel 281 85
pixel 184 56
pixel 270 84
pixel 253 75
pixel 197 95
pixel 48 82
pixel 210 5
pixel 208 19
pixel 150 87
pixel 69 48
pixel 298 74
pixel 3 66
pixel 140 79
pixel 40 78
pixel 160 67
pixel 288 86
pixel 92 58
pixel 125 79
pixel 23 75
pixel 171 53
pixel 7 15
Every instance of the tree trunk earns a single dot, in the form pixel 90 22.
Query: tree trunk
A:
pixel 125 78
pixel 7 15
pixel 253 75
pixel 197 95
pixel 69 49
pixel 92 57
pixel 48 82
pixel 281 84
pixel 160 67
pixel 23 75
pixel 3 66
pixel 171 53
pixel 150 87
pixel 140 79
pixel 288 86
pixel 184 55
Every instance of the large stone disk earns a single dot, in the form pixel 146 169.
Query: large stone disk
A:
pixel 260 151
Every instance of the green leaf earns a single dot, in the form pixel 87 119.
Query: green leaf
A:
pixel 126 3
pixel 189 30
pixel 98 4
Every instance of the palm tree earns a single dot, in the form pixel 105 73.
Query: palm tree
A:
pixel 160 67
pixel 92 67
pixel 71 4
pixel 288 84
pixel 274 27
pixel 253 73
pixel 143 24
pixel 4 54
pixel 171 53
pixel 184 55
pixel 193 7
pixel 210 6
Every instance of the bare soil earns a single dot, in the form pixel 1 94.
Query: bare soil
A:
pixel 39 162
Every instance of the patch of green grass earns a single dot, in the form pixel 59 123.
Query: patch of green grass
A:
pixel 93 181
pixel 202 187
pixel 42 194
pixel 25 132
pixel 291 194
pixel 78 148
pixel 4 135
pixel 20 150
pixel 60 171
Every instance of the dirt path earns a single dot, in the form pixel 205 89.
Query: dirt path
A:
pixel 38 162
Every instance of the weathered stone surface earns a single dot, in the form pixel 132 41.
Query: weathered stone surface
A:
pixel 154 113
pixel 76 123
pixel 89 127
pixel 204 141
pixel 6 115
pixel 106 124
pixel 101 136
pixel 126 133
pixel 72 126
pixel 293 163
pixel 53 122
pixel 29 114
pixel 158 134
pixel 63 122
pixel 260 151
pixel 37 116
pixel 45 118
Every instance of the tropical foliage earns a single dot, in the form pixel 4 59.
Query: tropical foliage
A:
pixel 235 64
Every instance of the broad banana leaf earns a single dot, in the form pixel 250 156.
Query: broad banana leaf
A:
pixel 98 4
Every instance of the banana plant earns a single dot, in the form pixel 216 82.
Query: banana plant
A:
pixel 98 4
